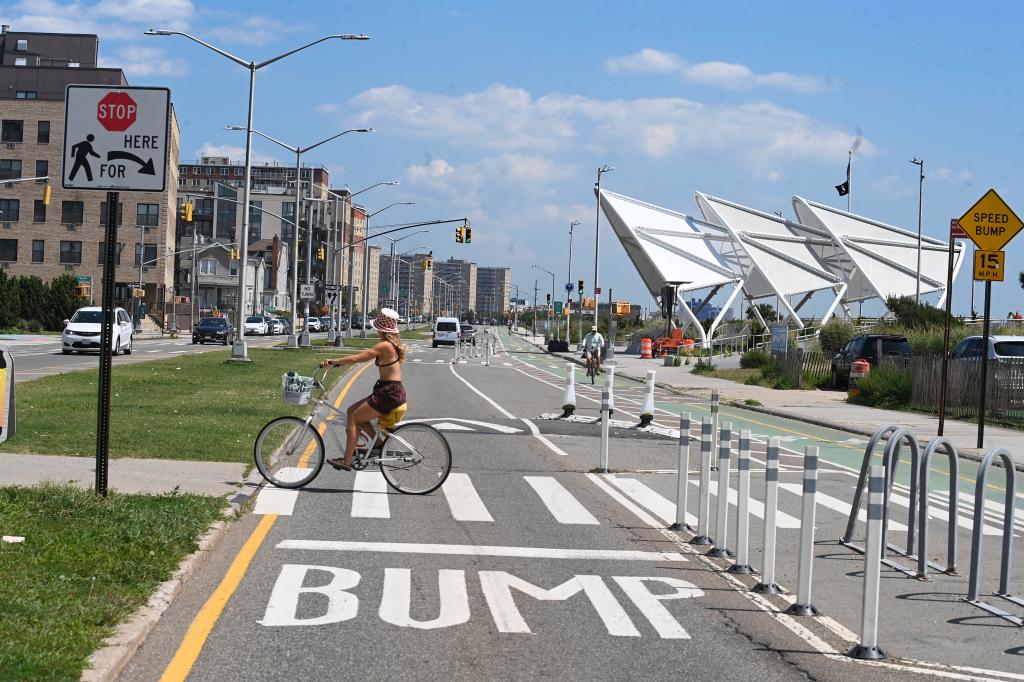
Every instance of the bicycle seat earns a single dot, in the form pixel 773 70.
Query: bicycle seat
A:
pixel 388 421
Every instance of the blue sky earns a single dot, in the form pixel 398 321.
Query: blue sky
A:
pixel 503 111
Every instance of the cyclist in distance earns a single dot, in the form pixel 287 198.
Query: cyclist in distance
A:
pixel 388 392
pixel 592 343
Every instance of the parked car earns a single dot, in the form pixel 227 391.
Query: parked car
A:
pixel 276 325
pixel 325 324
pixel 467 333
pixel 314 324
pixel 870 347
pixel 82 331
pixel 215 329
pixel 255 324
pixel 342 323
pixel 446 330
pixel 1000 348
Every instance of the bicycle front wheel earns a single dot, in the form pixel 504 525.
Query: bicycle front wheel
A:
pixel 289 452
pixel 415 459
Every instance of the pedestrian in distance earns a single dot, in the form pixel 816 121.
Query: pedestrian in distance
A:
pixel 388 393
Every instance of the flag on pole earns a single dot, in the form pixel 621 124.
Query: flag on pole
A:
pixel 844 188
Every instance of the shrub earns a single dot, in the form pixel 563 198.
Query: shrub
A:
pixel 754 358
pixel 834 335
pixel 910 313
pixel 887 387
pixel 703 367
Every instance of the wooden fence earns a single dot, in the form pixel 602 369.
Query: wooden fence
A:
pixel 1005 388
pixel 805 369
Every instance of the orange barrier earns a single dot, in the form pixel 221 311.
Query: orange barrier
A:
pixel 858 370
pixel 645 349
pixel 688 345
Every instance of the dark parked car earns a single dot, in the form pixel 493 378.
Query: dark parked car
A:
pixel 870 347
pixel 468 334
pixel 214 329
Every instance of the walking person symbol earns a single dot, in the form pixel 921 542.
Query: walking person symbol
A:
pixel 82 151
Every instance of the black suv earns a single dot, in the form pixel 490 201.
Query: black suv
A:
pixel 214 329
pixel 868 347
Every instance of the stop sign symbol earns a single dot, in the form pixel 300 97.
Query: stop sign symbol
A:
pixel 116 111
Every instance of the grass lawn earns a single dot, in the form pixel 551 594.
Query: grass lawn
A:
pixel 199 407
pixel 737 374
pixel 86 564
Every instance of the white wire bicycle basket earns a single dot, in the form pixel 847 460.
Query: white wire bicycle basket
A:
pixel 296 389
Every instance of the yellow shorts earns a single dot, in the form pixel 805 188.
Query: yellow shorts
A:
pixel 390 420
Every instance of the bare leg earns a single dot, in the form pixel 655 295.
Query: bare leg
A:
pixel 359 419
pixel 365 427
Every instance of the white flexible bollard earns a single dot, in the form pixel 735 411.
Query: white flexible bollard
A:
pixel 647 413
pixel 720 549
pixel 803 605
pixel 569 396
pixel 771 504
pixel 609 382
pixel 704 501
pixel 605 417
pixel 683 475
pixel 742 565
pixel 868 648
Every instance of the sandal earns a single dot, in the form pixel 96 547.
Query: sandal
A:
pixel 339 464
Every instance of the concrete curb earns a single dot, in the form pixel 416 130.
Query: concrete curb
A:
pixel 107 662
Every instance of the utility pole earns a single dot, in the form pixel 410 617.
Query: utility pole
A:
pixel 920 210
pixel 568 294
pixel 534 307
pixel 142 259
pixel 597 236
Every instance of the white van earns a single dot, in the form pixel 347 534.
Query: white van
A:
pixel 446 330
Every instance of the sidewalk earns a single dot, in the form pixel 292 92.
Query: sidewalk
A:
pixel 126 475
pixel 823 408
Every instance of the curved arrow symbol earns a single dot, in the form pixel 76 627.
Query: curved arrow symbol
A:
pixel 145 167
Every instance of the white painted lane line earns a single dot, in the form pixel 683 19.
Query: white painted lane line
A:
pixel 837 505
pixel 274 500
pixel 782 519
pixel 152 351
pixel 660 506
pixel 963 520
pixel 539 436
pixel 464 500
pixel 480 550
pixel 473 388
pixel 560 502
pixel 370 496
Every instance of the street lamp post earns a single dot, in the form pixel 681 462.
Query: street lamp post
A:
pixel 366 260
pixel 920 207
pixel 239 351
pixel 352 258
pixel 303 339
pixel 568 293
pixel 597 236
pixel 551 315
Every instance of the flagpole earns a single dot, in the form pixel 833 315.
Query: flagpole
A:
pixel 849 180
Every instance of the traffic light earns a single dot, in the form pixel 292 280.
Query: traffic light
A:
pixel 47 192
pixel 548 297
pixel 234 254
pixel 185 212
pixel 580 287
pixel 469 234
pixel 321 253
pixel 458 235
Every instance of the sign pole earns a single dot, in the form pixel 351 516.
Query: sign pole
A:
pixel 984 363
pixel 106 356
pixel 945 332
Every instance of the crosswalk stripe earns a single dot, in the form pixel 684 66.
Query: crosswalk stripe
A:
pixel 370 496
pixel 782 519
pixel 560 502
pixel 837 505
pixel 653 501
pixel 464 500
pixel 274 500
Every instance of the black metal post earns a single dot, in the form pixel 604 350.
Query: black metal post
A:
pixel 982 404
pixel 945 332
pixel 106 356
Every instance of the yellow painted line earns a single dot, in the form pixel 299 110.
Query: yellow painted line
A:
pixel 202 625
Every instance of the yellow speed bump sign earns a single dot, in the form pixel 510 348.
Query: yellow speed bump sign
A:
pixel 990 223
pixel 989 266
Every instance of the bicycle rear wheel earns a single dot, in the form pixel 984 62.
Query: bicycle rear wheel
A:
pixel 415 459
pixel 289 452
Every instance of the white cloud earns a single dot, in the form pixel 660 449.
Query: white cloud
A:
pixel 253 30
pixel 171 13
pixel 510 120
pixel 136 60
pixel 109 19
pixel 944 173
pixel 715 73
pixel 436 174
pixel 327 108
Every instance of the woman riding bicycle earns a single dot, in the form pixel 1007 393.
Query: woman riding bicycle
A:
pixel 388 392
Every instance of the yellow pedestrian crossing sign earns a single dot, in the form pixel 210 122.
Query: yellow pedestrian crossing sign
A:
pixel 991 223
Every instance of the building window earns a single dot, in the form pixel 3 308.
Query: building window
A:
pixel 224 171
pixel 42 170
pixel 43 132
pixel 74 65
pixel 103 213
pixel 208 266
pixel 195 182
pixel 71 213
pixel 21 45
pixel 10 169
pixel 20 61
pixel 38 211
pixel 233 268
pixel 150 254
pixel 148 214
pixel 255 220
pixel 226 213
pixel 209 170
pixel 38 250
pixel 103 253
pixel 8 250
pixel 238 172
pixel 71 252
pixel 26 94
pixel 10 209
pixel 12 131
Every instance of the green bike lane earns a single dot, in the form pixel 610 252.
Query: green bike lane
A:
pixel 843 449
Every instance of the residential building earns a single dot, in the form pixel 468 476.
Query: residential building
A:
pixel 415 284
pixel 493 287
pixel 68 235
pixel 461 275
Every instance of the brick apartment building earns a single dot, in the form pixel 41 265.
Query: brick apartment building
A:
pixel 67 236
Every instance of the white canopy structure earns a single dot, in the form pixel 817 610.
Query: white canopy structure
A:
pixel 779 258
pixel 667 247
pixel 875 259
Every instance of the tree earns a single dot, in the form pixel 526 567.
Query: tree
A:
pixel 1022 280
pixel 63 301
pixel 10 301
pixel 766 310
pixel 34 299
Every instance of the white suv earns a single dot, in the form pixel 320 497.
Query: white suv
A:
pixel 82 331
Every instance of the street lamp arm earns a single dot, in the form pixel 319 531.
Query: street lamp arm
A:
pixel 366 189
pixel 397 203
pixel 334 137
pixel 236 60
pixel 343 36
pixel 293 150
